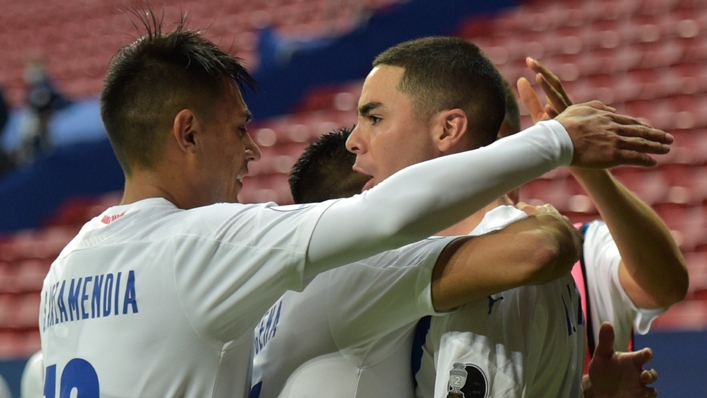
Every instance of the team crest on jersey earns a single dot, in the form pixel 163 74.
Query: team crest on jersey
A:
pixel 467 381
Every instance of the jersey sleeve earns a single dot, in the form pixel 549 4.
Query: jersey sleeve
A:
pixel 607 297
pixel 437 194
pixel 374 303
pixel 232 262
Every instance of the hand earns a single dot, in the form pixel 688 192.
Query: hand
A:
pixel 619 374
pixel 535 210
pixel 557 98
pixel 552 219
pixel 602 138
pixel 605 138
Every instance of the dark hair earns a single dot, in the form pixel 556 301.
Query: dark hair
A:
pixel 150 80
pixel 446 73
pixel 324 170
pixel 511 121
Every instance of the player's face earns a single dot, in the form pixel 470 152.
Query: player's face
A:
pixel 389 135
pixel 228 148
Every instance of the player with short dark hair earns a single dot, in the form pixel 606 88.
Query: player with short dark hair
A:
pixel 436 79
pixel 319 164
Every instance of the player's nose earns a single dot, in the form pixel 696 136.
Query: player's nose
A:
pixel 252 149
pixel 354 143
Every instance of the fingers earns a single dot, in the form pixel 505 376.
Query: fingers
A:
pixel 550 209
pixel 530 100
pixel 551 112
pixel 538 210
pixel 633 158
pixel 651 392
pixel 539 68
pixel 605 346
pixel 555 99
pixel 596 104
pixel 643 146
pixel 649 376
pixel 559 96
pixel 636 128
pixel 528 209
pixel 507 200
pixel 642 357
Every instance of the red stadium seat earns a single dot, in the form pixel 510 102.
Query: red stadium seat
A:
pixel 12 344
pixel 686 315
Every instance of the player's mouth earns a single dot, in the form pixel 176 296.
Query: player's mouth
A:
pixel 370 183
pixel 239 177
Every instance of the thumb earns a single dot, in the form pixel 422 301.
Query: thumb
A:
pixel 605 346
pixel 530 100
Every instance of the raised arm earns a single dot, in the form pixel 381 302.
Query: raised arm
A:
pixel 430 196
pixel 652 270
pixel 532 251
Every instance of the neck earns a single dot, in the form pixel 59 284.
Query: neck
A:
pixel 145 184
pixel 468 224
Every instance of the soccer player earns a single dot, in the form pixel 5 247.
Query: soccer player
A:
pixel 623 290
pixel 395 107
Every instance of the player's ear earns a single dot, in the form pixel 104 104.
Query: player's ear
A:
pixel 451 128
pixel 185 129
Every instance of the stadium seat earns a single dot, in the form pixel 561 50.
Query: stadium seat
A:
pixel 12 344
pixel 26 311
pixel 686 315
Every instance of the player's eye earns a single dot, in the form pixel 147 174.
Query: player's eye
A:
pixel 374 119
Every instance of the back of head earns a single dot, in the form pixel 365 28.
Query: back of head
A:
pixel 511 121
pixel 150 80
pixel 324 170
pixel 446 73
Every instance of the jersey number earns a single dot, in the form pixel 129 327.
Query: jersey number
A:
pixel 78 374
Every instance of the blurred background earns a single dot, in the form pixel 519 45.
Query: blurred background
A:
pixel 647 58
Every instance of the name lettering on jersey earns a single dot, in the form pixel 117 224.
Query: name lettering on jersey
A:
pixel 267 327
pixel 572 323
pixel 89 297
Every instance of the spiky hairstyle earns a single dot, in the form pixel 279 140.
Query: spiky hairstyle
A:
pixel 150 80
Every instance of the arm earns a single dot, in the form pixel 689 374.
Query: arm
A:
pixel 532 251
pixel 618 374
pixel 380 220
pixel 652 271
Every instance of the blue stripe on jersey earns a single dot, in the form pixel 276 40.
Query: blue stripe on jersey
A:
pixel 255 391
pixel 423 326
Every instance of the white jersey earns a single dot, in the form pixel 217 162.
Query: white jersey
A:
pixel 153 301
pixel 182 289
pixel 348 333
pixel 608 300
pixel 524 342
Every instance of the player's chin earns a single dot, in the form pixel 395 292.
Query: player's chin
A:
pixel 232 196
pixel 369 184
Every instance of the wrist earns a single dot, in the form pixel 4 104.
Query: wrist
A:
pixel 579 172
